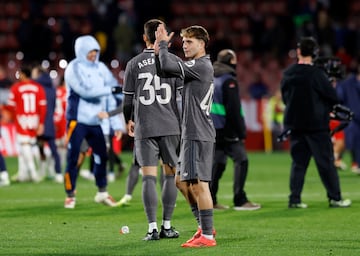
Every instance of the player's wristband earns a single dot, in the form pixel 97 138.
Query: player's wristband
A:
pixel 116 90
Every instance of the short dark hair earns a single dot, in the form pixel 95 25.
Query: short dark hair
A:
pixel 308 47
pixel 196 31
pixel 225 56
pixel 26 70
pixel 150 27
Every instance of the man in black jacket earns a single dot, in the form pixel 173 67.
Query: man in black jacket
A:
pixel 230 131
pixel 309 97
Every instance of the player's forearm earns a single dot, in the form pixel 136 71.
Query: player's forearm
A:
pixel 127 108
pixel 167 63
pixel 116 111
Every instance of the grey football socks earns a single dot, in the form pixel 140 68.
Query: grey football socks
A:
pixel 206 220
pixel 169 195
pixel 149 197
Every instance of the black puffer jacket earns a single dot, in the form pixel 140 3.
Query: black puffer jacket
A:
pixel 308 96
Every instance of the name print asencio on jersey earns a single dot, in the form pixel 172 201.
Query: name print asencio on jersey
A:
pixel 145 62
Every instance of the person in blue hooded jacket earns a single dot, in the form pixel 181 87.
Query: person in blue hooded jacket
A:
pixel 89 83
pixel 41 76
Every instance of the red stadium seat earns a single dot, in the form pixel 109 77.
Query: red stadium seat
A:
pixel 179 9
pixel 239 24
pixel 229 8
pixel 245 7
pixel 4 25
pixel 12 9
pixel 196 9
pixel 212 9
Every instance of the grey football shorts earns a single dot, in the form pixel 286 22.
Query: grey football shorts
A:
pixel 148 151
pixel 195 160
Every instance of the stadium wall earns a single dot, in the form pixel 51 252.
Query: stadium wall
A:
pixel 253 113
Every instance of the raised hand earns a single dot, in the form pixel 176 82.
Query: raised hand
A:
pixel 162 35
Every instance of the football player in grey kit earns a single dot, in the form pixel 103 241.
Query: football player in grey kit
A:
pixel 151 100
pixel 198 132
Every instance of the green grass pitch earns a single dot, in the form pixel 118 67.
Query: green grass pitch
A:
pixel 33 220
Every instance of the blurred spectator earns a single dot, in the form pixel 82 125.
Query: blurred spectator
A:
pixel 349 94
pixel 258 89
pixel 4 175
pixel 27 101
pixel 124 44
pixel 226 113
pixel 104 18
pixel 35 37
pixel 325 32
pixel 41 76
pixel 60 121
pixel 275 117
pixel 87 80
pixel 256 21
pixel 219 43
pixel 146 10
pixel 5 84
pixel 271 31
pixel 344 56
pixel 68 35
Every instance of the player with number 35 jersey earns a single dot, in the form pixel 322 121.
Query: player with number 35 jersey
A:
pixel 154 96
pixel 156 128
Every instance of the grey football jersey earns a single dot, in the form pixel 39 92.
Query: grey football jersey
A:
pixel 197 93
pixel 154 97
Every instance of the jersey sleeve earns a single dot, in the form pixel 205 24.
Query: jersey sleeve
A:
pixel 42 105
pixel 129 80
pixel 170 63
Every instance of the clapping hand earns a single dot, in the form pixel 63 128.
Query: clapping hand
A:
pixel 162 35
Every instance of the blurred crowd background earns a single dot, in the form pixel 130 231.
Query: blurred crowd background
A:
pixel 263 33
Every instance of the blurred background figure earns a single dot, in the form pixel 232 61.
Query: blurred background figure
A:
pixel 275 117
pixel 4 175
pixel 34 36
pixel 258 88
pixel 27 101
pixel 49 164
pixel 5 84
pixel 89 81
pixel 60 121
pixel 229 123
pixel 124 44
pixel 338 140
pixel 108 131
pixel 349 94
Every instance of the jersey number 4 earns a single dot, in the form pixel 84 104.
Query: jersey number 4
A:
pixel 157 91
pixel 206 102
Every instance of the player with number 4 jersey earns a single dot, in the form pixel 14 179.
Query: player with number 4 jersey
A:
pixel 198 132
